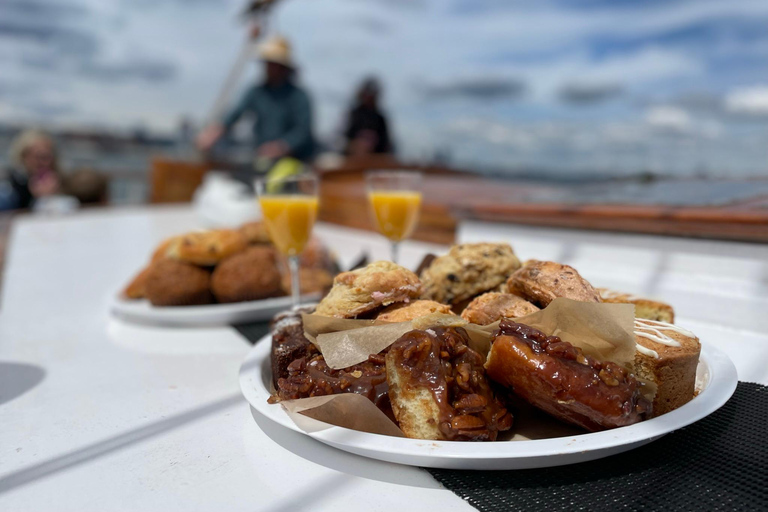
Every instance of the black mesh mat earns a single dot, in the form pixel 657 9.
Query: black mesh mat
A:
pixel 718 463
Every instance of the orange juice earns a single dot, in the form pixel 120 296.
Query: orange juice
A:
pixel 289 219
pixel 396 212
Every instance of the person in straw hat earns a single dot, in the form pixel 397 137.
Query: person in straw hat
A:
pixel 283 113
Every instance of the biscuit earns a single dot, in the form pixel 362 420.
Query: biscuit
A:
pixel 175 283
pixel 407 311
pixel 206 248
pixel 490 307
pixel 644 308
pixel 249 275
pixel 468 270
pixel 541 282
pixel 361 291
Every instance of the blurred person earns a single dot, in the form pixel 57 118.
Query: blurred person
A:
pixel 367 130
pixel 283 124
pixel 34 172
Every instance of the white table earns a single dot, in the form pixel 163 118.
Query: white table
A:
pixel 124 417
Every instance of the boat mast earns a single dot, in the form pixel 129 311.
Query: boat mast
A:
pixel 255 15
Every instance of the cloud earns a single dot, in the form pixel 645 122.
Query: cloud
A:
pixel 144 70
pixel 668 118
pixel 487 89
pixel 748 101
pixel 588 94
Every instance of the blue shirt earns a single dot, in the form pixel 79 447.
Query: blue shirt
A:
pixel 282 113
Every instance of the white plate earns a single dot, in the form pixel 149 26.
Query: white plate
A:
pixel 141 311
pixel 716 378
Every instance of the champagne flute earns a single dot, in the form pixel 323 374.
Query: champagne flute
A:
pixel 289 206
pixel 395 199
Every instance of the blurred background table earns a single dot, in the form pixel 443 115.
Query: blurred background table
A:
pixel 100 414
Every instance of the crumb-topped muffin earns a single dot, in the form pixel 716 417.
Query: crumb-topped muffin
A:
pixel 175 283
pixel 361 291
pixel 248 275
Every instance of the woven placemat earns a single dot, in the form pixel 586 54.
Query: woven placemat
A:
pixel 718 463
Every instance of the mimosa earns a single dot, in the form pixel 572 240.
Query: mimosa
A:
pixel 396 212
pixel 289 219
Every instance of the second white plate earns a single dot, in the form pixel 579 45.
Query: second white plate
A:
pixel 141 311
pixel 717 379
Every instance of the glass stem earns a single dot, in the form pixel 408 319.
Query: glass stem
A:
pixel 395 249
pixel 293 265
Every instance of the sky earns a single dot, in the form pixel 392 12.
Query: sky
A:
pixel 592 86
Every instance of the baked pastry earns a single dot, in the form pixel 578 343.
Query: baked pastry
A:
pixel 250 275
pixel 310 376
pixel 288 342
pixel 489 307
pixel 311 280
pixel 667 355
pixel 205 248
pixel 644 308
pixel 541 282
pixel 468 270
pixel 137 288
pixel 559 379
pixel 362 291
pixel 175 283
pixel 161 251
pixel 255 233
pixel 407 311
pixel 438 388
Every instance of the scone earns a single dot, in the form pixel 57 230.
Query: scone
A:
pixel 362 291
pixel 255 233
pixel 161 251
pixel 137 288
pixel 407 311
pixel 644 308
pixel 490 307
pixel 667 355
pixel 206 248
pixel 468 270
pixel 439 390
pixel 250 275
pixel 541 282
pixel 175 283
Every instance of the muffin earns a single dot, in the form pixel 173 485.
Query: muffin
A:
pixel 490 307
pixel 250 275
pixel 362 291
pixel 175 283
pixel 407 311
pixel 137 288
pixel 311 280
pixel 466 271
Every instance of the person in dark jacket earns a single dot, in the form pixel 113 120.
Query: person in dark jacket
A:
pixel 283 125
pixel 367 130
pixel 34 172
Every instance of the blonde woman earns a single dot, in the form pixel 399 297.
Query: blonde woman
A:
pixel 34 173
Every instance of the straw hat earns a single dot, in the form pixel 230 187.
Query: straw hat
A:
pixel 277 50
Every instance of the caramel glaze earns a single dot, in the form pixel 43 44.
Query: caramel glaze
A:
pixel 559 379
pixel 311 376
pixel 440 360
